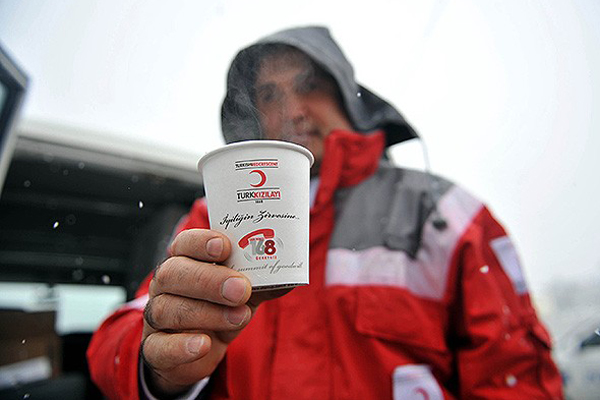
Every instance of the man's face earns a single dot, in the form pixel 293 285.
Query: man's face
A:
pixel 297 103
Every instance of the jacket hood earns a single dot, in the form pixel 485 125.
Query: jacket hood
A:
pixel 366 110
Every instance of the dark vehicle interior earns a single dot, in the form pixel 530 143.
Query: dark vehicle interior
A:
pixel 77 214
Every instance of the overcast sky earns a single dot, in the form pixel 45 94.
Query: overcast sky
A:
pixel 504 93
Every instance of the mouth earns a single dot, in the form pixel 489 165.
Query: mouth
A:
pixel 303 138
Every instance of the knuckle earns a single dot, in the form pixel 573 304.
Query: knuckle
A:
pixel 166 272
pixel 152 351
pixel 201 276
pixel 153 312
pixel 183 239
pixel 192 314
pixel 175 241
pixel 182 313
pixel 146 358
pixel 153 289
pixel 201 310
pixel 148 314
pixel 159 273
pixel 208 279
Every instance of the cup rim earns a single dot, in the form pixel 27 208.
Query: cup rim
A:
pixel 256 143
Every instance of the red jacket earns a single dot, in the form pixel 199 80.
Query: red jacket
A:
pixel 390 312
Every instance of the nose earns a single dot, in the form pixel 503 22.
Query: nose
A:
pixel 294 108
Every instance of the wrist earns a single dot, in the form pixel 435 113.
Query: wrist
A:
pixel 196 391
pixel 160 387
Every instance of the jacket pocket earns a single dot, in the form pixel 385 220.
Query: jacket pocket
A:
pixel 541 336
pixel 394 314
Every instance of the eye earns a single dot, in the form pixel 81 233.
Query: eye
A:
pixel 266 95
pixel 307 85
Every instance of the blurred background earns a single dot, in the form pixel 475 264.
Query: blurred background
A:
pixel 123 97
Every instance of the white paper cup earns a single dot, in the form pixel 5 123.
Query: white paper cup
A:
pixel 257 194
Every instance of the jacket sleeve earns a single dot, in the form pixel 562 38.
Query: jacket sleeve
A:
pixel 502 350
pixel 113 353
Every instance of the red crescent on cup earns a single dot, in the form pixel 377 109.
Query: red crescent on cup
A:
pixel 263 177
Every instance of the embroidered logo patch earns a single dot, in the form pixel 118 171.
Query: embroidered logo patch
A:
pixel 415 382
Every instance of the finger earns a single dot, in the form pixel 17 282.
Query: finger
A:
pixel 173 313
pixel 201 244
pixel 165 351
pixel 190 278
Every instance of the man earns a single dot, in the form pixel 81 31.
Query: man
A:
pixel 416 290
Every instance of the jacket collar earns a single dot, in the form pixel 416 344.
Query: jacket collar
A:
pixel 349 159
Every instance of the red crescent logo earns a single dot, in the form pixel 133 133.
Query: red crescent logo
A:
pixel 422 392
pixel 263 178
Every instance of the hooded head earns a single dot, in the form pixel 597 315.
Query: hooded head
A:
pixel 365 111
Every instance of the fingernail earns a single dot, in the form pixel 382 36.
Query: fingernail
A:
pixel 194 344
pixel 234 289
pixel 236 316
pixel 214 247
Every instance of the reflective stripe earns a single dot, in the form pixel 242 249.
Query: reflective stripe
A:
pixel 509 261
pixel 424 276
pixel 313 189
